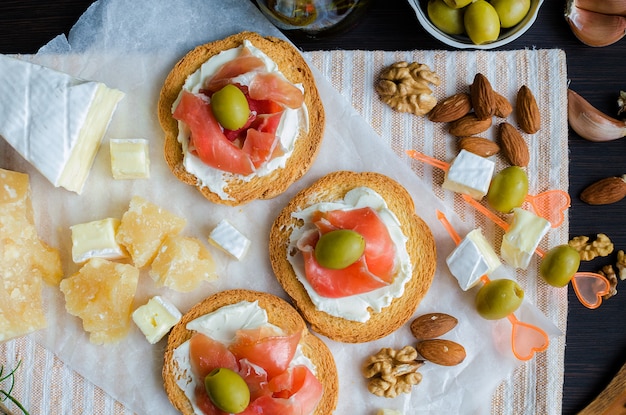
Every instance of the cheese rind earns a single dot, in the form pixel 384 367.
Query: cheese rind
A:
pixel 130 158
pixel 522 238
pixel 156 318
pixel 96 239
pixel 227 238
pixel 54 120
pixel 469 174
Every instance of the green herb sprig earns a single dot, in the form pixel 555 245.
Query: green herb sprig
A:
pixel 5 393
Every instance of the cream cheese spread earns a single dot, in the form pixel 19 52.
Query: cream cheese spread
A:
pixel 221 325
pixel 355 307
pixel 292 122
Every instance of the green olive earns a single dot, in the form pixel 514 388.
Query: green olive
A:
pixel 498 298
pixel 511 12
pixel 447 19
pixel 339 249
pixel 230 107
pixel 559 265
pixel 457 4
pixel 482 23
pixel 227 390
pixel 508 189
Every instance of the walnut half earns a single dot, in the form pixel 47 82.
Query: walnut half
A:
pixel 392 372
pixel 610 275
pixel 405 87
pixel 602 246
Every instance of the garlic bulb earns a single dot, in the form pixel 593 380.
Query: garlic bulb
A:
pixel 597 23
pixel 614 7
pixel 589 122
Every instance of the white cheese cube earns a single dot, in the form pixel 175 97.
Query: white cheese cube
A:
pixel 96 239
pixel 227 238
pixel 156 318
pixel 469 174
pixel 54 120
pixel 522 238
pixel 471 259
pixel 130 158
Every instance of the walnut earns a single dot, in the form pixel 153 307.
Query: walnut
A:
pixel 602 246
pixel 392 372
pixel 610 275
pixel 405 87
pixel 621 264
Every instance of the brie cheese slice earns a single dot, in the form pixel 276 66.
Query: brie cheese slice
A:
pixel 469 174
pixel 54 120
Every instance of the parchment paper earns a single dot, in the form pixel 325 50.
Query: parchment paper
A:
pixel 132 45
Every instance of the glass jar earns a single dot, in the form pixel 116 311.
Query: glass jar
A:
pixel 314 17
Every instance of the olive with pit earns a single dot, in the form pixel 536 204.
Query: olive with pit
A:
pixel 498 298
pixel 482 22
pixel 227 390
pixel 339 249
pixel 559 265
pixel 511 12
pixel 230 107
pixel 446 18
pixel 508 189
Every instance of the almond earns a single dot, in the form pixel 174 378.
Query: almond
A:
pixel 451 108
pixel 479 146
pixel 483 97
pixel 469 125
pixel 441 352
pixel 513 146
pixel 527 111
pixel 503 106
pixel 605 191
pixel 431 325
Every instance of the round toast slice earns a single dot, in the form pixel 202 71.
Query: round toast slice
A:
pixel 420 247
pixel 281 314
pixel 295 69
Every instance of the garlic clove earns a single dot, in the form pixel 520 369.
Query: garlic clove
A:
pixel 589 122
pixel 614 7
pixel 595 29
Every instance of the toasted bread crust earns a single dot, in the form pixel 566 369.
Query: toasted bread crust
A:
pixel 295 69
pixel 281 314
pixel 420 246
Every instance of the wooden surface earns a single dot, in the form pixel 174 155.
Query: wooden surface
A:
pixel 596 339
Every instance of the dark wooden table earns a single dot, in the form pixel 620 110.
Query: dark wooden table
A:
pixel 596 339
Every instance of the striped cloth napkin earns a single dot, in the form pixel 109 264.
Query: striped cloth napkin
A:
pixel 45 385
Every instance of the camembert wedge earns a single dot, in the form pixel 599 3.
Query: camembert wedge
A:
pixel 54 120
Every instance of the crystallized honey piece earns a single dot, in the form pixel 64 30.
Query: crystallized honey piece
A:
pixel 182 263
pixel 25 260
pixel 101 295
pixel 143 229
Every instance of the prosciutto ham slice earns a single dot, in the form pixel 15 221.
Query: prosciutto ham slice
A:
pixel 376 267
pixel 262 358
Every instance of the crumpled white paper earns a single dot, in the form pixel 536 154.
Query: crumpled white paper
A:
pixel 132 45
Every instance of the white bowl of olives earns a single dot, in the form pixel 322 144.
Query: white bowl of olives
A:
pixel 476 24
